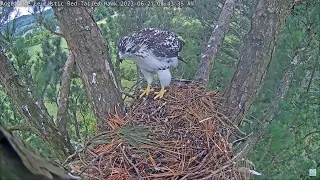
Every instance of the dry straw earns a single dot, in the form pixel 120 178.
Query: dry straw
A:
pixel 182 136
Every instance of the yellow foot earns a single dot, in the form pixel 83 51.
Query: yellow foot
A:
pixel 160 93
pixel 146 91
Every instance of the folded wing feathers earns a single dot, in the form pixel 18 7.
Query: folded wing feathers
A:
pixel 163 44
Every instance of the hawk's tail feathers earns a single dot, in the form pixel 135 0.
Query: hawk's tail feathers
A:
pixel 181 40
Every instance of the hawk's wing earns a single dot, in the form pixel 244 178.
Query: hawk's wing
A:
pixel 162 44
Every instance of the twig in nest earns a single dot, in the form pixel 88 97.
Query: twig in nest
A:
pixel 241 139
pixel 182 80
pixel 226 165
pixel 99 168
pixel 217 171
pixel 128 94
pixel 203 145
pixel 230 123
pixel 239 155
pixel 158 109
pixel 131 88
pixel 136 84
pixel 70 157
pixel 93 160
pixel 202 163
pixel 206 119
pixel 130 162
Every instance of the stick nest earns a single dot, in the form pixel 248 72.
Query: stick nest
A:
pixel 182 136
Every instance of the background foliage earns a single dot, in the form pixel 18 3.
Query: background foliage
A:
pixel 291 145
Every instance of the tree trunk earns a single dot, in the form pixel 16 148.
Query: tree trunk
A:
pixel 255 57
pixel 273 110
pixel 90 51
pixel 207 58
pixel 117 71
pixel 38 119
pixel 62 114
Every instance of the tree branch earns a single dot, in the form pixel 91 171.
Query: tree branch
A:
pixel 313 70
pixel 39 18
pixel 207 58
pixel 92 58
pixel 19 128
pixel 273 111
pixel 62 114
pixel 255 56
pixel 39 119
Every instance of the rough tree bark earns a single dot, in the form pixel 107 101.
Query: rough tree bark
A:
pixel 90 51
pixel 273 110
pixel 37 118
pixel 255 57
pixel 18 162
pixel 207 58
pixel 62 114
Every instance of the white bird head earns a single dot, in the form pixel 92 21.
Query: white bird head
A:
pixel 125 47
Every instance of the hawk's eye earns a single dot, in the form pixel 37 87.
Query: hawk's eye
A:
pixel 129 50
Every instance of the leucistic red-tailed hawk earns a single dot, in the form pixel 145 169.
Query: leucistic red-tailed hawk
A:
pixel 154 51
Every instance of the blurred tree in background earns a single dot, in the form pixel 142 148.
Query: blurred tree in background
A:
pixel 290 144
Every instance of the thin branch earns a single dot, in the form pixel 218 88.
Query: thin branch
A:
pixel 313 71
pixel 130 162
pixel 290 147
pixel 70 157
pixel 93 160
pixel 62 114
pixel 159 108
pixel 40 19
pixel 241 139
pixel 128 94
pixel 39 119
pixel 19 128
pixel 132 87
pixel 311 133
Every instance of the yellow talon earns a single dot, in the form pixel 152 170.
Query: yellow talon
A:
pixel 146 91
pixel 160 93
